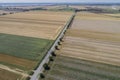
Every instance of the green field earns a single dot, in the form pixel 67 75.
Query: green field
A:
pixel 23 47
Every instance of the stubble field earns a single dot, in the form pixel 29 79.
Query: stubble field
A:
pixel 90 51
pixel 95 37
pixel 37 24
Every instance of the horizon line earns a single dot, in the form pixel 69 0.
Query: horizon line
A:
pixel 59 2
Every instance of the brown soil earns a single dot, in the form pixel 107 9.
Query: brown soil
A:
pixel 6 75
pixel 17 61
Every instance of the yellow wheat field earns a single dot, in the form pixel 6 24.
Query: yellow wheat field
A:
pixel 38 24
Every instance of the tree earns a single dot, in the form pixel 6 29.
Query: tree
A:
pixel 28 78
pixel 4 13
pixel 46 67
pixel 53 53
pixel 59 43
pixel 56 47
pixel 42 75
pixel 51 58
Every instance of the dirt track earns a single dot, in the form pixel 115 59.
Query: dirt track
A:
pixel 14 74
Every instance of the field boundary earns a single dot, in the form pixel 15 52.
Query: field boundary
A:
pixel 40 68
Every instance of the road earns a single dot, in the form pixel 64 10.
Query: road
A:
pixel 40 68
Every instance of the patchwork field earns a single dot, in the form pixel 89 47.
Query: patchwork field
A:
pixel 90 51
pixel 22 52
pixel 25 38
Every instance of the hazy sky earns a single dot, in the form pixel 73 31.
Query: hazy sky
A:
pixel 5 1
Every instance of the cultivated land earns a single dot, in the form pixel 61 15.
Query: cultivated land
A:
pixel 99 38
pixel 25 38
pixel 42 15
pixel 8 75
pixel 37 24
pixel 69 68
pixel 91 50
pixel 22 52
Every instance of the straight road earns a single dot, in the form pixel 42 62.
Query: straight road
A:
pixel 40 69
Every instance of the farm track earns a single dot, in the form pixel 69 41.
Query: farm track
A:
pixel 14 71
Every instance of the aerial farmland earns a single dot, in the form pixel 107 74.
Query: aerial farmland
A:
pixel 25 38
pixel 59 42
pixel 90 51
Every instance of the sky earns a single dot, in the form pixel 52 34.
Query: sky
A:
pixel 54 1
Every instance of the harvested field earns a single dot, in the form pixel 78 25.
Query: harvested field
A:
pixel 86 38
pixel 45 31
pixel 101 51
pixel 38 24
pixel 93 16
pixel 104 36
pixel 90 51
pixel 117 15
pixel 113 15
pixel 6 75
pixel 41 15
pixel 68 68
pixel 92 25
